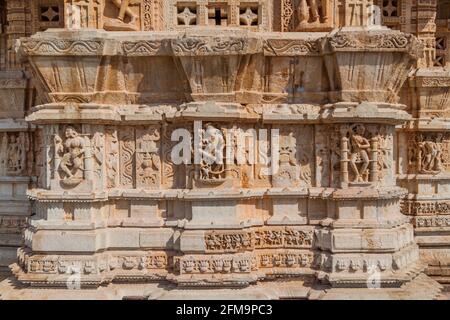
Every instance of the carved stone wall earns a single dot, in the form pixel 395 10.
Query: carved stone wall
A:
pixel 200 147
pixel 17 140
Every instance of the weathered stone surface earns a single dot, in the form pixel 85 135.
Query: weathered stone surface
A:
pixel 149 148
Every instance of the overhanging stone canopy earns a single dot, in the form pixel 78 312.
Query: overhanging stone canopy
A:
pixel 323 101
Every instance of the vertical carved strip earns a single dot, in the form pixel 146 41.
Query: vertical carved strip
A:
pixel 287 15
pixel 3 151
pixel 112 157
pixel 148 161
pixel 127 155
pixel 345 149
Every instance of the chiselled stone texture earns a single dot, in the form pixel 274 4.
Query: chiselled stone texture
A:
pixel 226 144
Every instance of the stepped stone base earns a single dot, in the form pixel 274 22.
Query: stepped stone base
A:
pixel 421 288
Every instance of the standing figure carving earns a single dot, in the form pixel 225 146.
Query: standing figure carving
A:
pixel 72 151
pixel 309 11
pixel 149 159
pixel 430 154
pixel 126 19
pixel 359 153
pixel 212 166
pixel 14 155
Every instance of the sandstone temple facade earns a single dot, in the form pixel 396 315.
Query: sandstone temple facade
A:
pixel 96 95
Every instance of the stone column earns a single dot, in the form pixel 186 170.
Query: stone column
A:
pixel 367 235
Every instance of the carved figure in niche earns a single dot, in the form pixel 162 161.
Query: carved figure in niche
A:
pixel 311 11
pixel 72 154
pixel 430 154
pixel 288 150
pixel 14 154
pixel 288 172
pixel 151 162
pixel 212 166
pixel 359 153
pixel 125 14
pixel 383 152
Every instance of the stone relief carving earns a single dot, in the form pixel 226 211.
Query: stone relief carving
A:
pixel 312 11
pixel 126 20
pixel 412 207
pixel 359 153
pixel 248 78
pixel 429 152
pixel 295 162
pixel 71 153
pixel 259 239
pixel 367 152
pixel 15 147
pixel 112 157
pixel 212 151
pixel 148 158
pixel 127 157
pixel 302 15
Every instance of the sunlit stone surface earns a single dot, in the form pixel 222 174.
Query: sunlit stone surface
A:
pixel 110 110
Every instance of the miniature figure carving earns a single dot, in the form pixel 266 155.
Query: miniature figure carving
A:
pixel 72 151
pixel 359 153
pixel 14 155
pixel 126 19
pixel 430 154
pixel 212 147
pixel 310 12
pixel 149 154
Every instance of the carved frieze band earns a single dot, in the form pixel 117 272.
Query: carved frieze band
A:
pixel 291 47
pixel 413 207
pixel 62 47
pixel 243 263
pixel 93 265
pixel 386 41
pixel 190 46
pixel 198 46
pixel 284 237
pixel 433 81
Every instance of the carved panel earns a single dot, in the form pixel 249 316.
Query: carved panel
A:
pixel 265 238
pixel 15 151
pixel 148 157
pixel 366 154
pixel 127 157
pixel 112 157
pixel 429 152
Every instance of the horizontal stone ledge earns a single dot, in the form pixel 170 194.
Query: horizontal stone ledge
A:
pixel 138 114
pixel 441 176
pixel 15 179
pixel 432 240
pixel 200 42
pixel 430 78
pixel 352 193
pixel 15 125
pixel 427 125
